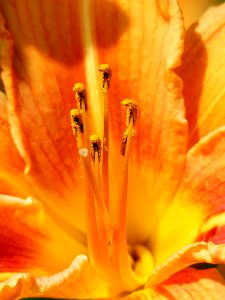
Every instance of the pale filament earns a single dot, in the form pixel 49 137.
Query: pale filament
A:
pixel 121 260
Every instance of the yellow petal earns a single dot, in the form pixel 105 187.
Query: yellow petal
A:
pixel 201 195
pixel 145 294
pixel 191 254
pixel 203 72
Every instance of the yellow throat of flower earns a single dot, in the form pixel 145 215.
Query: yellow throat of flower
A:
pixel 125 267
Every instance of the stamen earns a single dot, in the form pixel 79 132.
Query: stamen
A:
pixel 120 240
pixel 76 121
pixel 96 147
pixel 80 95
pixel 95 191
pixel 105 77
pixel 131 110
pixel 131 116
pixel 99 221
pixel 124 140
pixel 95 152
pixel 107 241
pixel 77 126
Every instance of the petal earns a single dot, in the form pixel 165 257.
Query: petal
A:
pixel 78 281
pixel 201 195
pixel 191 254
pixel 192 284
pixel 203 71
pixel 143 61
pixel 56 68
pixel 216 235
pixel 213 229
pixel 38 75
pixel 161 118
pixel 145 294
pixel 188 284
pixel 11 164
pixel 30 241
pixel 193 9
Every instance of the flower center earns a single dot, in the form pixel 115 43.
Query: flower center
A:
pixel 125 266
pixel 141 260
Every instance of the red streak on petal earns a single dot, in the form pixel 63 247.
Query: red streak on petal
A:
pixel 215 235
pixel 17 251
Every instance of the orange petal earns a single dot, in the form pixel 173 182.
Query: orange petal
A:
pixel 30 241
pixel 193 9
pixel 216 235
pixel 188 284
pixel 161 117
pixel 201 194
pixel 203 73
pixel 146 46
pixel 78 281
pixel 49 57
pixel 194 253
pixel 39 66
pixel 11 164
pixel 213 229
pixel 192 284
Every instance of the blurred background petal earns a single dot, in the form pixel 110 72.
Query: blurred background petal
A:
pixel 192 9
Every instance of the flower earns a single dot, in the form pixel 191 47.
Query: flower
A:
pixel 163 205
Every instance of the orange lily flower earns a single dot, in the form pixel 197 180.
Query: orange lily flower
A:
pixel 89 218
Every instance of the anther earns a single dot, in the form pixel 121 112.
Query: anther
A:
pixel 95 147
pixel 131 110
pixel 105 77
pixel 80 95
pixel 76 121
